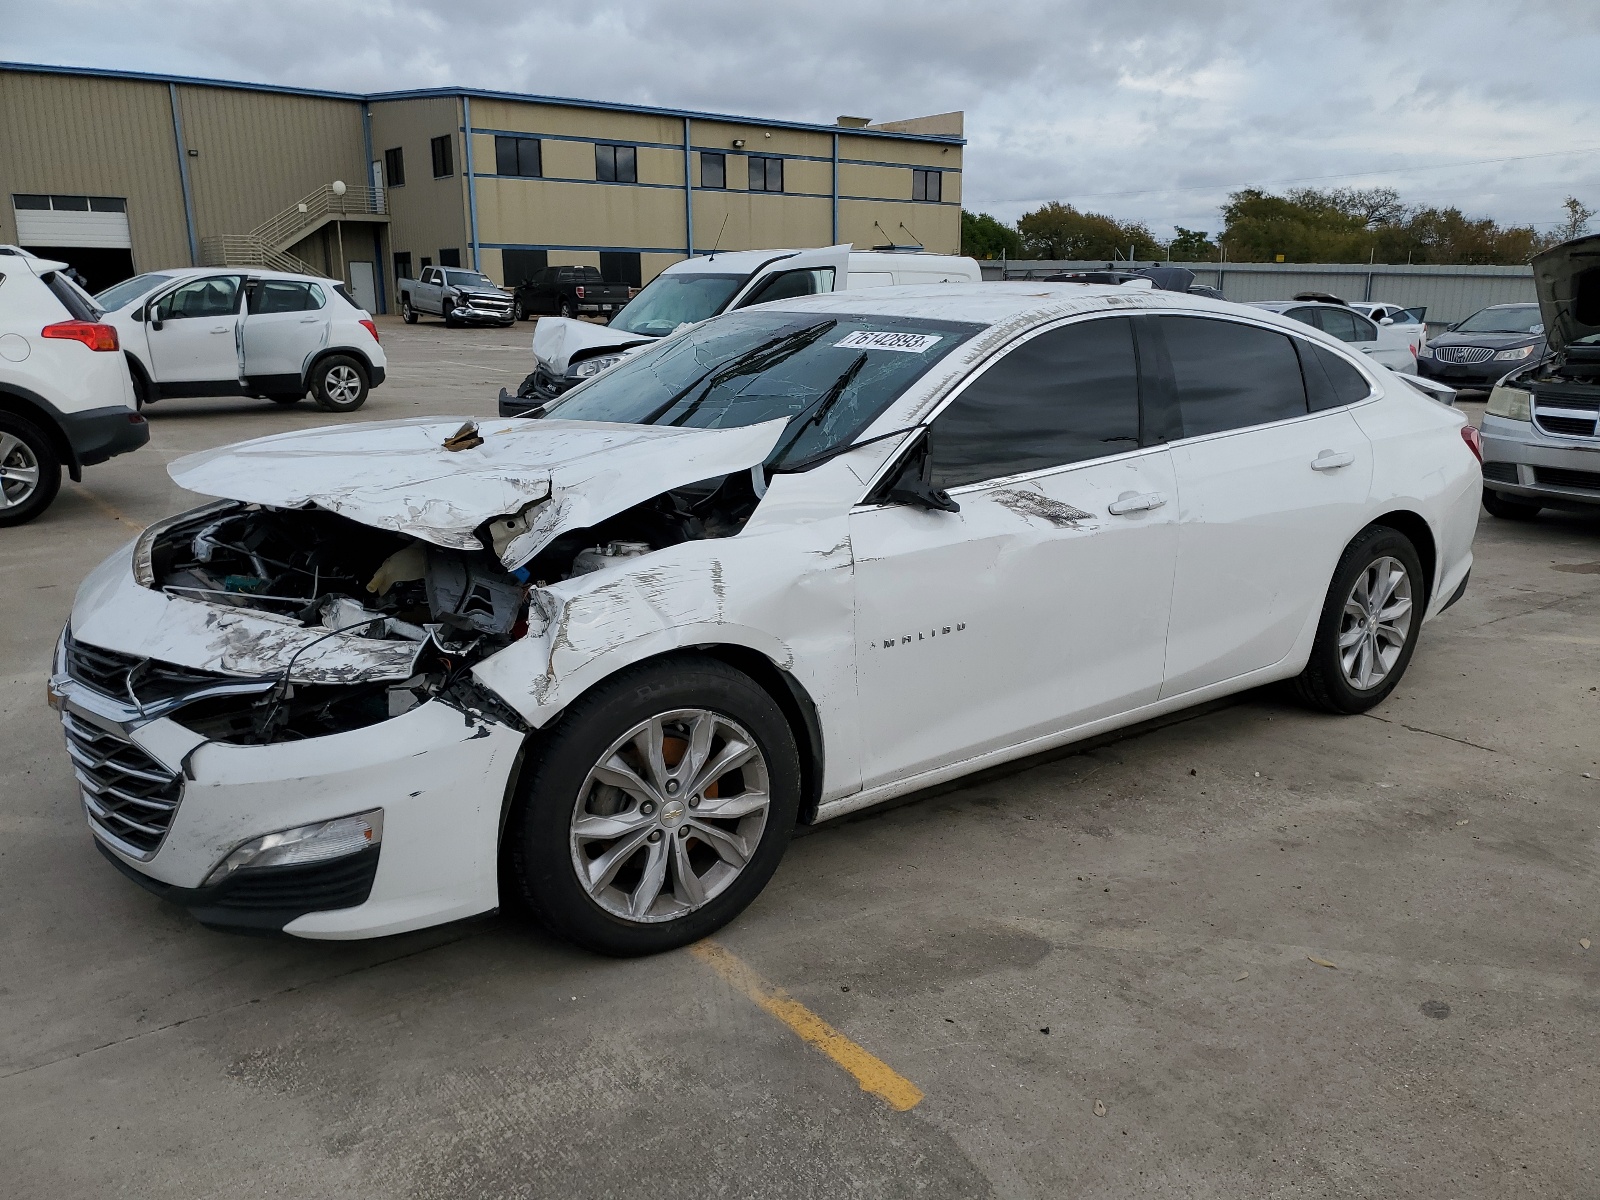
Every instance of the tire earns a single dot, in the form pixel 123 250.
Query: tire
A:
pixel 565 309
pixel 518 313
pixel 285 399
pixel 407 313
pixel 564 815
pixel 1332 681
pixel 1507 508
pixel 30 473
pixel 339 383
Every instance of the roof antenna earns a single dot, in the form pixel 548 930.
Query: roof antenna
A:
pixel 712 257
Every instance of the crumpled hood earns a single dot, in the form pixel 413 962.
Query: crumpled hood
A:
pixel 1567 281
pixel 532 479
pixel 557 339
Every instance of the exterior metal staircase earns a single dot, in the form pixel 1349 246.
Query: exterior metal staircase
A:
pixel 267 245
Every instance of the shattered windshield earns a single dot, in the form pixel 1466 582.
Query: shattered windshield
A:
pixel 1521 318
pixel 830 374
pixel 668 301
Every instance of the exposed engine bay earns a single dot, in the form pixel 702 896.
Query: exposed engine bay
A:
pixel 324 571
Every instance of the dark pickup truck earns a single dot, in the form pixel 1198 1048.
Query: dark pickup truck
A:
pixel 568 291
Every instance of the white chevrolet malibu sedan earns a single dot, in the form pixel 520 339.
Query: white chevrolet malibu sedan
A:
pixel 783 565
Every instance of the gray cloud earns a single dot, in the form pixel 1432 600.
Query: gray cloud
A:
pixel 1151 110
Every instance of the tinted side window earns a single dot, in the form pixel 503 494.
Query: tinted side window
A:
pixel 1331 382
pixel 217 297
pixel 280 296
pixel 1366 331
pixel 1063 397
pixel 1307 316
pixel 787 284
pixel 1229 375
pixel 1340 324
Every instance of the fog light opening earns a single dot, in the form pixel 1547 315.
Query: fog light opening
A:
pixel 304 844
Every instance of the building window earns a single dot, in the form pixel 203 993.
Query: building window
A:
pixel 450 257
pixel 394 167
pixel 402 266
pixel 518 156
pixel 621 266
pixel 615 164
pixel 101 204
pixel 713 170
pixel 925 185
pixel 766 174
pixel 519 266
pixel 443 156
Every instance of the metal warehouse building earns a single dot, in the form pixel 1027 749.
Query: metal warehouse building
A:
pixel 119 172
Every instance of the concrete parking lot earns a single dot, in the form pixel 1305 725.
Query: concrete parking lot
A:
pixel 1257 952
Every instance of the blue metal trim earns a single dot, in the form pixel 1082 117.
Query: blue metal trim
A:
pixel 183 174
pixel 484 94
pixel 892 200
pixel 377 253
pixel 587 249
pixel 688 191
pixel 835 190
pixel 472 184
pixel 569 137
pixel 676 187
pixel 867 162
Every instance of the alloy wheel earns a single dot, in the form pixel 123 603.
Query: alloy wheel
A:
pixel 1377 620
pixel 342 384
pixel 19 471
pixel 670 815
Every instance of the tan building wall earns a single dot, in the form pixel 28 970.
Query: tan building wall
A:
pixel 101 137
pixel 259 151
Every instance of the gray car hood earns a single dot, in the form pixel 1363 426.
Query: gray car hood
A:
pixel 1567 280
pixel 528 481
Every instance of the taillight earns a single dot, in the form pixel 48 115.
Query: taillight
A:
pixel 1474 441
pixel 579 290
pixel 96 337
pixel 371 328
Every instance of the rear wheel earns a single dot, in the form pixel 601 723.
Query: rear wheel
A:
pixel 1369 625
pixel 1508 508
pixel 339 384
pixel 566 309
pixel 30 475
pixel 407 313
pixel 658 809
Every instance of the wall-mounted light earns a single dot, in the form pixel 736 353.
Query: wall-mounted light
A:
pixel 738 143
pixel 194 154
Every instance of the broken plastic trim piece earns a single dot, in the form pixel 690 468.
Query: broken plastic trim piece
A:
pixel 144 571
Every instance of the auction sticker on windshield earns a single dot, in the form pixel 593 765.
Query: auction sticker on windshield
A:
pixel 905 343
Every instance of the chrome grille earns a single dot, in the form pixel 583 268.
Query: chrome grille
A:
pixel 1462 354
pixel 1567 411
pixel 129 678
pixel 129 795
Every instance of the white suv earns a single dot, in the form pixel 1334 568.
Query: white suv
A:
pixel 233 331
pixel 66 399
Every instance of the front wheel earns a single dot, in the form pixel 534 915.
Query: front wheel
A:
pixel 1507 508
pixel 30 474
pixel 339 384
pixel 658 809
pixel 407 313
pixel 518 313
pixel 1369 625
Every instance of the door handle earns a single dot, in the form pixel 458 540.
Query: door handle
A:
pixel 219 329
pixel 1330 461
pixel 1369 349
pixel 1133 502
pixel 309 320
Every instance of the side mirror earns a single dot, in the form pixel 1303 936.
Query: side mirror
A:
pixel 917 494
pixel 155 320
pixel 1450 328
pixel 1387 321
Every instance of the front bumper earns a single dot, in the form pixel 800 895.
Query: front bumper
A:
pixel 472 315
pixel 1467 375
pixel 440 776
pixel 102 433
pixel 1519 460
pixel 539 388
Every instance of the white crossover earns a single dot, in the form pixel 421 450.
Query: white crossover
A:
pixel 779 566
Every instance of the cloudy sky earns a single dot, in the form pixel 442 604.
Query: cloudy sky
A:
pixel 1146 109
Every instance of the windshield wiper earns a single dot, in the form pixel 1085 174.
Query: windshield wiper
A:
pixel 752 362
pixel 820 406
pixel 822 456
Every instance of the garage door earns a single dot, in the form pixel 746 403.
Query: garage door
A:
pixel 93 222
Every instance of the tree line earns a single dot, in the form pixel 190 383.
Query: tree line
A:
pixel 1304 225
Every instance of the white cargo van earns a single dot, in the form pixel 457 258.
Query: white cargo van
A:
pixel 567 352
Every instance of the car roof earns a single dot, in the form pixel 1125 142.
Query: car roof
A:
pixel 1022 304
pixel 253 272
pixel 1286 305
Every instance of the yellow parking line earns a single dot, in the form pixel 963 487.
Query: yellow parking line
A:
pixel 871 1072
pixel 107 509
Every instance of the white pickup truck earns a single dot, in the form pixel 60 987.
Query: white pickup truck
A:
pixel 460 296
pixel 566 352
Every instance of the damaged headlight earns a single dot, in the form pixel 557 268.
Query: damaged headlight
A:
pixel 1513 404
pixel 591 367
pixel 304 844
pixel 144 572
